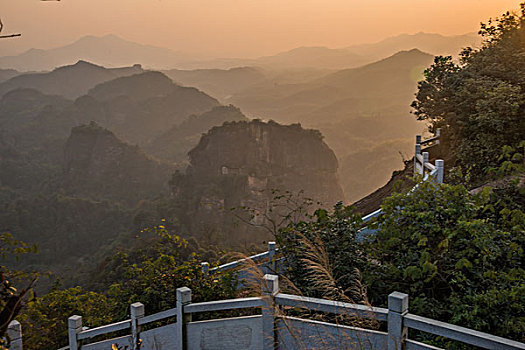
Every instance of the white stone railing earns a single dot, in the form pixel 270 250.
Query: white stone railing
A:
pixel 422 165
pixel 14 332
pixel 270 329
pixel 268 255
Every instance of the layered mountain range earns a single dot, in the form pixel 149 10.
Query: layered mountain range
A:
pixel 356 109
pixel 112 51
pixel 109 155
pixel 130 146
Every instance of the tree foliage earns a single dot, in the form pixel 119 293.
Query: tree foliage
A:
pixel 152 277
pixel 459 256
pixel 12 299
pixel 149 273
pixel 44 320
pixel 323 258
pixel 480 101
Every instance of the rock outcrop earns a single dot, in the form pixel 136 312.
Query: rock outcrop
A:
pixel 242 164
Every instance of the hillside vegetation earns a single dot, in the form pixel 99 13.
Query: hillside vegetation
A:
pixel 459 254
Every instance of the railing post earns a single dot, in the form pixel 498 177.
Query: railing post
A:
pixel 74 324
pixel 14 332
pixel 416 152
pixel 205 268
pixel 397 332
pixel 271 256
pixel 425 160
pixel 183 299
pixel 440 165
pixel 270 288
pixel 137 312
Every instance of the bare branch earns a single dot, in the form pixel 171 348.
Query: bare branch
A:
pixel 9 35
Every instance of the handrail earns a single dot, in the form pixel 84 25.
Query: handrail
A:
pixel 331 306
pixel 459 333
pixel 430 166
pixel 234 264
pixel 220 305
pixel 435 138
pixel 372 215
pixel 397 316
pixel 157 317
pixel 110 328
pixel 422 163
pixel 272 250
pixel 415 345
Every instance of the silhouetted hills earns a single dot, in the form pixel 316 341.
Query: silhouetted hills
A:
pixel 219 83
pixel 109 51
pixel 138 87
pixel 138 107
pixel 99 165
pixel 435 44
pixel 30 119
pixel 68 81
pixel 112 51
pixel 319 57
pixel 388 79
pixel 349 57
pixel 141 106
pixel 6 74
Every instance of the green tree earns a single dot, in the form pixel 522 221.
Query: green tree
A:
pixel 11 299
pixel 459 256
pixel 152 275
pixel 480 102
pixel 323 258
pixel 44 321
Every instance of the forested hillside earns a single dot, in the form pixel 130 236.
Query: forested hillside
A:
pixel 78 189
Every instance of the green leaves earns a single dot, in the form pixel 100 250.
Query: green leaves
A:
pixel 463 263
pixel 323 256
pixel 459 256
pixel 479 103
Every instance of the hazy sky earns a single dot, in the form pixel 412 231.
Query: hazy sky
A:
pixel 242 28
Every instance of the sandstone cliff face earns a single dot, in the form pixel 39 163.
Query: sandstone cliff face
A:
pixel 99 165
pixel 241 163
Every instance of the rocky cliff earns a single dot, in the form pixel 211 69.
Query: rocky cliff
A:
pixel 241 164
pixel 99 165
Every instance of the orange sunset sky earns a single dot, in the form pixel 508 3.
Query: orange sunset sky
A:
pixel 238 28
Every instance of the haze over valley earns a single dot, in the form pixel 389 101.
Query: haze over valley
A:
pixel 106 122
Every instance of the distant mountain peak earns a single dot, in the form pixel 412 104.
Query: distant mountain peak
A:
pixel 109 50
pixel 82 63
pixel 414 51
